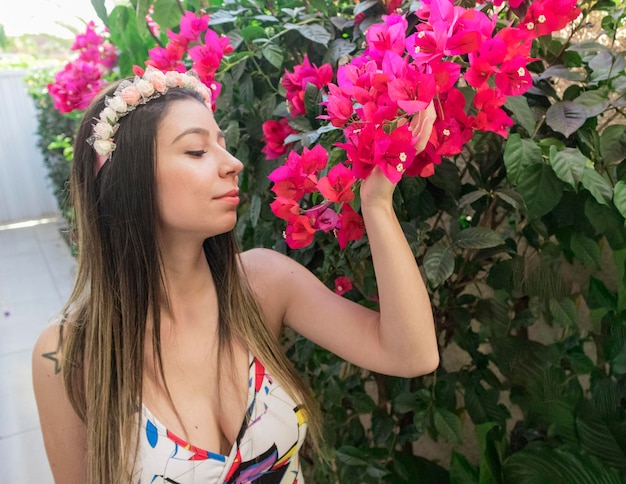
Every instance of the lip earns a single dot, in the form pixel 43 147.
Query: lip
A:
pixel 230 197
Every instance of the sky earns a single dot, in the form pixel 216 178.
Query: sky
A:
pixel 47 16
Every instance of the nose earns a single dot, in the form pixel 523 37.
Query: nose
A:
pixel 231 165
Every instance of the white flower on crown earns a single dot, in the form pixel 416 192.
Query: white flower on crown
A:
pixel 103 130
pixel 118 104
pixel 103 146
pixel 145 87
pixel 108 115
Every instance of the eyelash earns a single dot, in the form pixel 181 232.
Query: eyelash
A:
pixel 196 154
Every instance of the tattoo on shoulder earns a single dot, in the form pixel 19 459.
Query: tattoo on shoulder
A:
pixel 55 356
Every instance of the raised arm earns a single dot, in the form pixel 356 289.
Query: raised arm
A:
pixel 401 339
pixel 63 431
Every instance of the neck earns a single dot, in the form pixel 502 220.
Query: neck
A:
pixel 188 284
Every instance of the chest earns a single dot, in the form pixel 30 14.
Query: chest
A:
pixel 202 398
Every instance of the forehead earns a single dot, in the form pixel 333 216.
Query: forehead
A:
pixel 182 115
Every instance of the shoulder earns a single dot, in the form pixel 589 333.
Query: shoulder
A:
pixel 47 352
pixel 268 272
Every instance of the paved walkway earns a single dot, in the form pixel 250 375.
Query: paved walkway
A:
pixel 36 276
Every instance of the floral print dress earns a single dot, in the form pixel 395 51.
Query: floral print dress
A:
pixel 264 452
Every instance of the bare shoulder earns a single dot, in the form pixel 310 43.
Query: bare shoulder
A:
pixel 47 353
pixel 63 431
pixel 267 262
pixel 265 270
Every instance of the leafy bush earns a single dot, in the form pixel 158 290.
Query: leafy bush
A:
pixel 521 239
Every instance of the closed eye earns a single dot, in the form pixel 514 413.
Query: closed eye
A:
pixel 196 154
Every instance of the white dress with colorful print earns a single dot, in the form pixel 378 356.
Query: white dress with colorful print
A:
pixel 265 451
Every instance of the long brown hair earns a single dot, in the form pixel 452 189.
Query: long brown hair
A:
pixel 119 285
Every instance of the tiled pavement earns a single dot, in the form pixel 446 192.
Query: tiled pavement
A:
pixel 36 276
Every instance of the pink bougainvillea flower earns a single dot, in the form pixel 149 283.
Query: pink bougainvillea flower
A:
pixel 313 160
pixel 410 89
pixel 445 74
pixel 513 78
pixel 359 149
pixel 350 227
pixel 546 16
pixel 88 39
pixel 495 120
pixel 166 59
pixel 337 185
pixel 343 284
pixel 299 233
pixel 395 152
pixel 424 163
pixel 76 85
pixel 192 26
pixel 386 36
pixel 289 179
pixel 295 83
pixel 517 42
pixel 285 208
pixel 323 217
pixel 274 134
pixel 338 107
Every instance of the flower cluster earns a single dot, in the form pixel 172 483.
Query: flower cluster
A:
pixel 378 96
pixel 204 47
pixel 81 79
pixel 129 94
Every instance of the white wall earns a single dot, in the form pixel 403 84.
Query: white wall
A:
pixel 25 189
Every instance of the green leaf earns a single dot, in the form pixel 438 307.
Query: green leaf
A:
pixel 351 456
pixel 586 250
pixel 511 197
pixel 311 100
pixel 491 449
pixel 438 264
pixel 562 72
pixel 221 17
pixel 540 188
pixel 255 209
pixel 447 424
pixel 593 102
pixel 461 471
pixel 596 437
pixel 337 49
pixel 166 13
pixel 101 11
pixel 613 143
pixel 363 6
pixel 522 114
pixel 274 55
pixel 597 185
pixel 568 165
pixel 478 238
pixel 316 33
pixel 564 311
pixel 619 197
pixel 606 220
pixel 253 32
pixel 565 117
pixel 599 297
pixel 519 153
pixel 538 464
pixel 471 197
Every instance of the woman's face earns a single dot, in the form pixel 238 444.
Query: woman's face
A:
pixel 197 188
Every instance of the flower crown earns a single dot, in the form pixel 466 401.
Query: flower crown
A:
pixel 131 94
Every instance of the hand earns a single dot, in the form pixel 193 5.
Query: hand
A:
pixel 376 188
pixel 422 126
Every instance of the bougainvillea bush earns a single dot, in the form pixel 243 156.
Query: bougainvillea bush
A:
pixel 514 209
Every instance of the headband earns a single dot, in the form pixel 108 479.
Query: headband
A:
pixel 131 94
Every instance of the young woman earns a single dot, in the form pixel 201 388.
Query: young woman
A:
pixel 166 365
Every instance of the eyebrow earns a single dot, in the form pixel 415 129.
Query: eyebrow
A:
pixel 198 130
